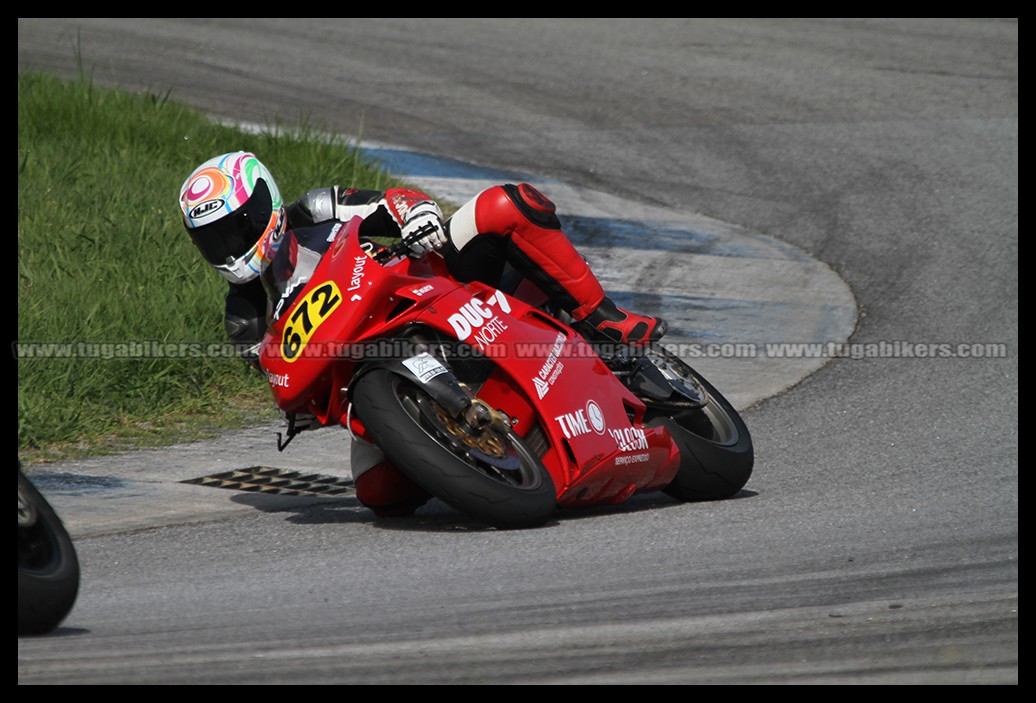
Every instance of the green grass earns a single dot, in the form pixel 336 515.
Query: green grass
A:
pixel 104 263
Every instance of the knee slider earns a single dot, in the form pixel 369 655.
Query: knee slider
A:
pixel 502 210
pixel 534 205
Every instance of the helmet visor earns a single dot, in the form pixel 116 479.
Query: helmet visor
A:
pixel 228 238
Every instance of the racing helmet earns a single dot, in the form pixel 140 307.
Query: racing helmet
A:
pixel 233 212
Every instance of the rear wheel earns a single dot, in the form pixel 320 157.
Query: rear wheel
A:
pixel 716 452
pixel 486 472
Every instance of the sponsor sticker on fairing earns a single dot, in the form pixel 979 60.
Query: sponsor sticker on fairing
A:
pixel 551 368
pixel 582 421
pixel 478 319
pixel 424 366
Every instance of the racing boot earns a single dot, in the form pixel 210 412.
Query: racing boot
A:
pixel 523 222
pixel 610 323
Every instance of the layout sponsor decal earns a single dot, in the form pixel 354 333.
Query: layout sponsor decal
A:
pixel 277 379
pixel 359 264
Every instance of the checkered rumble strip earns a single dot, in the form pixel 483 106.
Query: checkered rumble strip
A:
pixel 264 479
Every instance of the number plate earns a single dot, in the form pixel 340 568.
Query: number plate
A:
pixel 306 317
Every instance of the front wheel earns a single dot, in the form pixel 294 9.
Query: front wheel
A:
pixel 716 452
pixel 48 569
pixel 484 472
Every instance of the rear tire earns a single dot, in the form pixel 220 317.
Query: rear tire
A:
pixel 716 452
pixel 488 475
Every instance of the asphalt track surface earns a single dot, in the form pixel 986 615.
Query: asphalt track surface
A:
pixel 861 174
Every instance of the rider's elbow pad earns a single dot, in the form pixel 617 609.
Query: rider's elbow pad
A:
pixel 314 207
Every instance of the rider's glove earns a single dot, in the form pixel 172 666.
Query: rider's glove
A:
pixel 422 230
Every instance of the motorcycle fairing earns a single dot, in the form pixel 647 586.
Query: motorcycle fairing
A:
pixel 321 335
pixel 597 446
pixel 595 449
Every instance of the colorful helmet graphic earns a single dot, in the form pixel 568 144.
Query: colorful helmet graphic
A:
pixel 232 209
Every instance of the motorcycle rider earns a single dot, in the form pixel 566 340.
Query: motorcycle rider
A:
pixel 234 213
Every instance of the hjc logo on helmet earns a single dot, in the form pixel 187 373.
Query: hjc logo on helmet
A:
pixel 206 208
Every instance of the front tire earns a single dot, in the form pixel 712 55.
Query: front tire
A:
pixel 487 474
pixel 48 569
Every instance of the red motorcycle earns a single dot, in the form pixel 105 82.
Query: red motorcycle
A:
pixel 488 399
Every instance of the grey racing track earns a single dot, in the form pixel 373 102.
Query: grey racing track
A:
pixel 803 181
